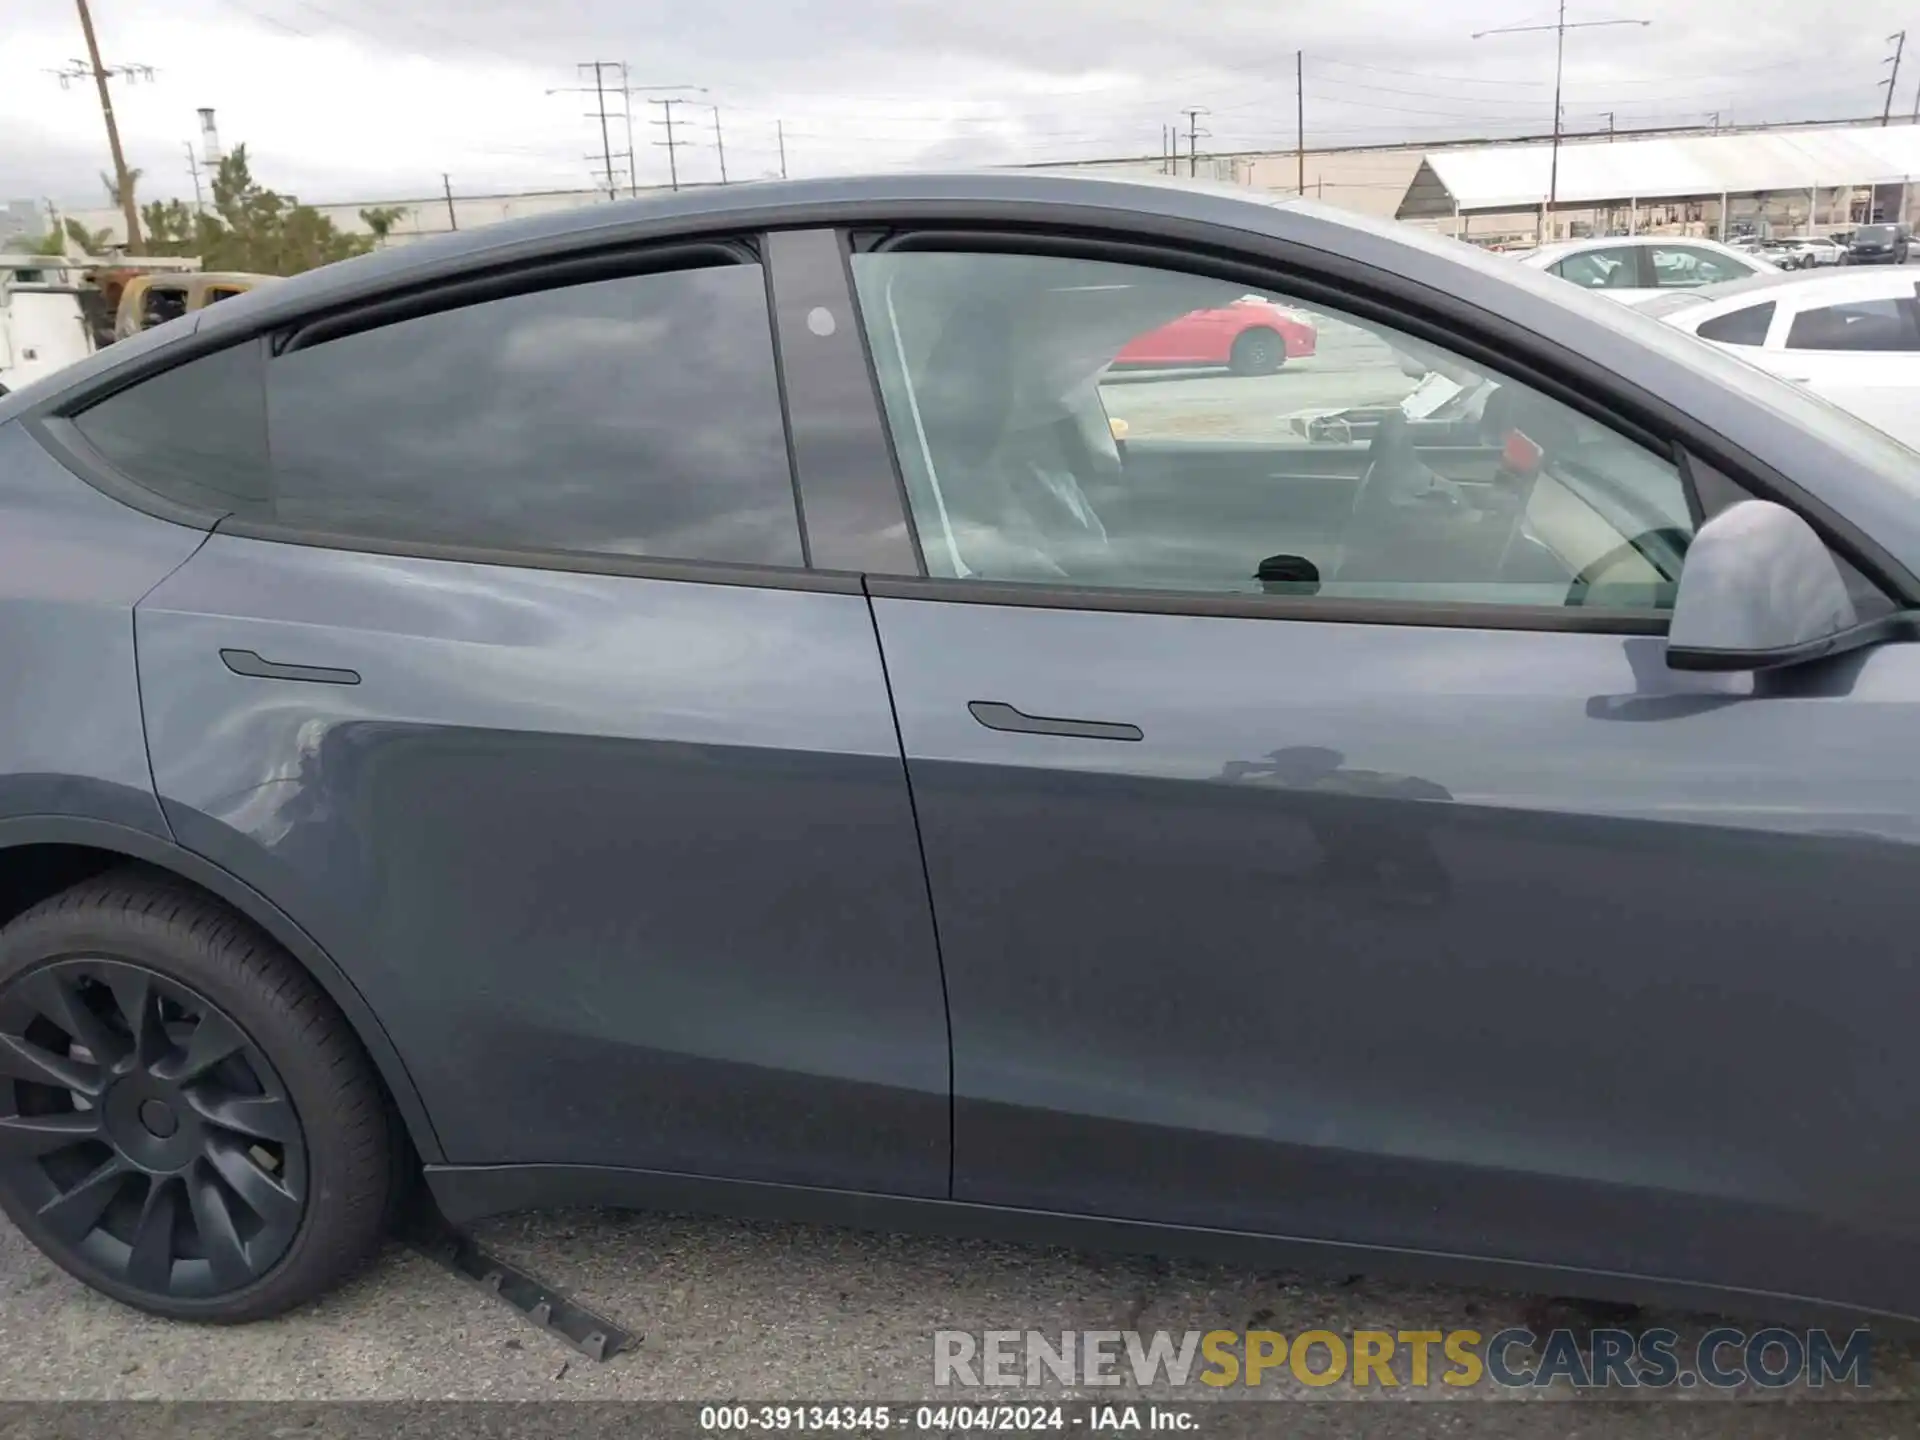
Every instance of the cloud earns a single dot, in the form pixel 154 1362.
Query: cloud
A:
pixel 360 99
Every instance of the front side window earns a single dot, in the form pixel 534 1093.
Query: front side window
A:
pixel 1685 266
pixel 1372 466
pixel 1892 323
pixel 1739 327
pixel 633 417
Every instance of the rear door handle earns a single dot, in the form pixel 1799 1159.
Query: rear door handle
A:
pixel 998 716
pixel 245 662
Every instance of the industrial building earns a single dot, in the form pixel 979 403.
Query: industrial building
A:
pixel 1789 177
pixel 1802 181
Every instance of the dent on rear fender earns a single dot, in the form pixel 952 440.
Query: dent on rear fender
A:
pixel 73 564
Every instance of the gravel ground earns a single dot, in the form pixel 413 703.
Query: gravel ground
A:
pixel 730 1310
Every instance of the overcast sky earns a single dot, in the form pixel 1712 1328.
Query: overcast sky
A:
pixel 374 99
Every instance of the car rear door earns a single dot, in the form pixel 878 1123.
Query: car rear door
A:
pixel 1858 347
pixel 1402 897
pixel 509 679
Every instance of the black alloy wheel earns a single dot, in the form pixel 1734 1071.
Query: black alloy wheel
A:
pixel 187 1122
pixel 1258 352
pixel 144 1131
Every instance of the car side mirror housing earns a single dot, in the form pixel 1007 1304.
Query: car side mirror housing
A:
pixel 1759 590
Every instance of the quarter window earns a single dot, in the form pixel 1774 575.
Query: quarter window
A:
pixel 1073 422
pixel 1741 327
pixel 637 416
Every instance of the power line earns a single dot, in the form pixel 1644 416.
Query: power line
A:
pixel 1560 28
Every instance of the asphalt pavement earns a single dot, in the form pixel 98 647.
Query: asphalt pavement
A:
pixel 749 1311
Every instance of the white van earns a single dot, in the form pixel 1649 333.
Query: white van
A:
pixel 42 326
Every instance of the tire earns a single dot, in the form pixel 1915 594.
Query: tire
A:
pixel 1258 352
pixel 235 1157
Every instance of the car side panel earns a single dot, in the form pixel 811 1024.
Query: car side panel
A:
pixel 72 565
pixel 1494 943
pixel 626 867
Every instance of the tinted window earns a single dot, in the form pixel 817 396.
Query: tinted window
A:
pixel 1390 469
pixel 1741 327
pixel 196 433
pixel 1602 269
pixel 1688 265
pixel 162 304
pixel 637 416
pixel 1889 324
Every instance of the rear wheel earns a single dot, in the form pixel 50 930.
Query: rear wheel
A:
pixel 187 1123
pixel 1258 352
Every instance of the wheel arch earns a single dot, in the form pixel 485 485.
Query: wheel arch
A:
pixel 117 843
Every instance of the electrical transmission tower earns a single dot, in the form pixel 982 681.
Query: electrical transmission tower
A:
pixel 1194 132
pixel 91 68
pixel 673 142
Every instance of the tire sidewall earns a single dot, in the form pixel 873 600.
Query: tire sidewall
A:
pixel 262 1012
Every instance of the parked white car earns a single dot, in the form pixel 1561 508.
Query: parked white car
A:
pixel 1815 250
pixel 1633 267
pixel 1852 336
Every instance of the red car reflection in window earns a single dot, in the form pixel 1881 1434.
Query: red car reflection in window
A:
pixel 1250 337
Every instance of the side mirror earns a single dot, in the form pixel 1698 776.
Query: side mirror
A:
pixel 1759 589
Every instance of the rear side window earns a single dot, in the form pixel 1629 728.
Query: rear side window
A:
pixel 1741 327
pixel 636 417
pixel 1889 324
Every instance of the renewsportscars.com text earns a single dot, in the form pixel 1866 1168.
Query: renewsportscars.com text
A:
pixel 1512 1359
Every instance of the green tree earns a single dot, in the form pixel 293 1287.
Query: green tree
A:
pixel 90 242
pixel 380 220
pixel 250 227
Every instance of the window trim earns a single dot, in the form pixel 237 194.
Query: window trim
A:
pixel 582 562
pixel 1446 615
pixel 1314 276
pixel 69 445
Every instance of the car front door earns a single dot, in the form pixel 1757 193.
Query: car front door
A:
pixel 1322 847
pixel 508 679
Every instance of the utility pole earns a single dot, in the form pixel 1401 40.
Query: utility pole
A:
pixel 780 129
pixel 720 144
pixel 446 185
pixel 1560 29
pixel 193 169
pixel 1194 132
pixel 673 164
pixel 606 142
pixel 1300 106
pixel 101 74
pixel 1899 43
pixel 626 115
